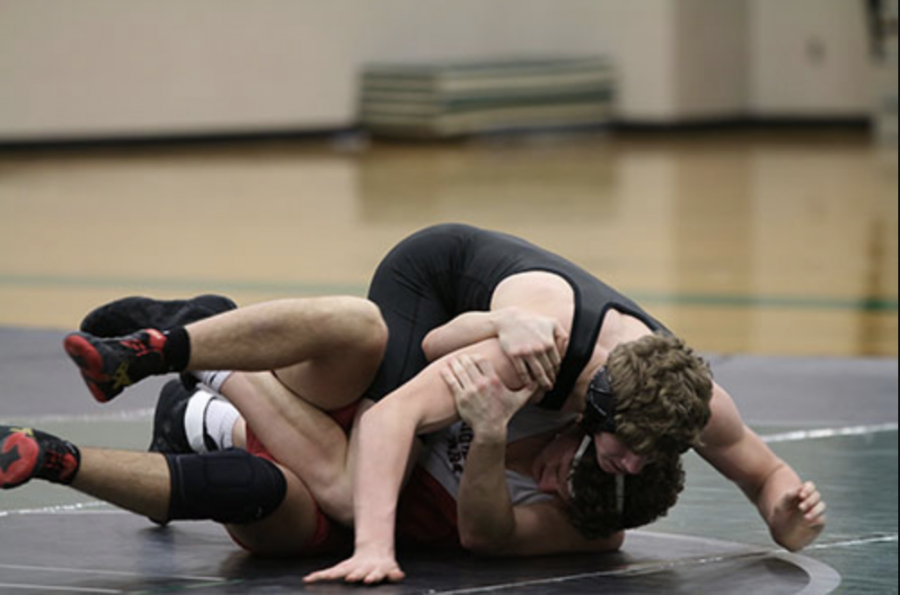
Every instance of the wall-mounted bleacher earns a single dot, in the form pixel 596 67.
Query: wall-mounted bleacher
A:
pixel 452 100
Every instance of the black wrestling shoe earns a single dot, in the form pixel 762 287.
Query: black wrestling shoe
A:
pixel 170 429
pixel 169 435
pixel 26 454
pixel 108 366
pixel 133 314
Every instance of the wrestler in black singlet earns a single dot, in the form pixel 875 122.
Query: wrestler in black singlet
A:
pixel 439 273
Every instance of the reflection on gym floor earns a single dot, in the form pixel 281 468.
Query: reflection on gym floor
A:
pixel 749 242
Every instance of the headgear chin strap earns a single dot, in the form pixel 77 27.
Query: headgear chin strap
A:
pixel 600 409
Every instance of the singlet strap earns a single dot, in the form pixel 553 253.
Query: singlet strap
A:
pixel 582 343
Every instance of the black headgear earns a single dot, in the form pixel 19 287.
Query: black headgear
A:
pixel 600 409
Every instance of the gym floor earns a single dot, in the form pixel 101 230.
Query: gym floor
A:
pixel 775 252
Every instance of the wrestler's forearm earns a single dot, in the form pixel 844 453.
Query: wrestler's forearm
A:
pixel 464 330
pixel 385 444
pixel 763 476
pixel 486 518
pixel 782 480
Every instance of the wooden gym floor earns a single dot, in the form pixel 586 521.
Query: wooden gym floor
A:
pixel 745 242
pixel 773 251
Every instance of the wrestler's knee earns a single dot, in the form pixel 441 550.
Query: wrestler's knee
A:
pixel 371 326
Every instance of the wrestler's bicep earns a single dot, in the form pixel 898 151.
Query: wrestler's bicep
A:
pixel 543 293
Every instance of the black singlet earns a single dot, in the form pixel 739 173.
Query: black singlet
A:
pixel 441 272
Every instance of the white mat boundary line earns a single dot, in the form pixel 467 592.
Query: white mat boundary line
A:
pixel 824 433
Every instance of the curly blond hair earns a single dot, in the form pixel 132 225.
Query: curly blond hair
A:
pixel 663 392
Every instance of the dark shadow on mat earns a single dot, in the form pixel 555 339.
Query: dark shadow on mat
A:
pixel 107 550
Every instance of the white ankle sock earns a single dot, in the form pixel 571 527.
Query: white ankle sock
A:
pixel 214 379
pixel 221 416
pixel 209 417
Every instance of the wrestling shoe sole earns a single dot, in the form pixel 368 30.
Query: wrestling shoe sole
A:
pixel 90 361
pixel 20 456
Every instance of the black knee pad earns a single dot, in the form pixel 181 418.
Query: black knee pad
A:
pixel 230 487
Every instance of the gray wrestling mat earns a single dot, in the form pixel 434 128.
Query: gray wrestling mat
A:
pixel 834 420
pixel 125 555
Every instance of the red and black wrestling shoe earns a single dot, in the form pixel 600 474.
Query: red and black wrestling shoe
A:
pixel 108 366
pixel 26 454
pixel 133 314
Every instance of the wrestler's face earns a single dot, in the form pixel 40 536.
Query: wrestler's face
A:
pixel 554 464
pixel 615 458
